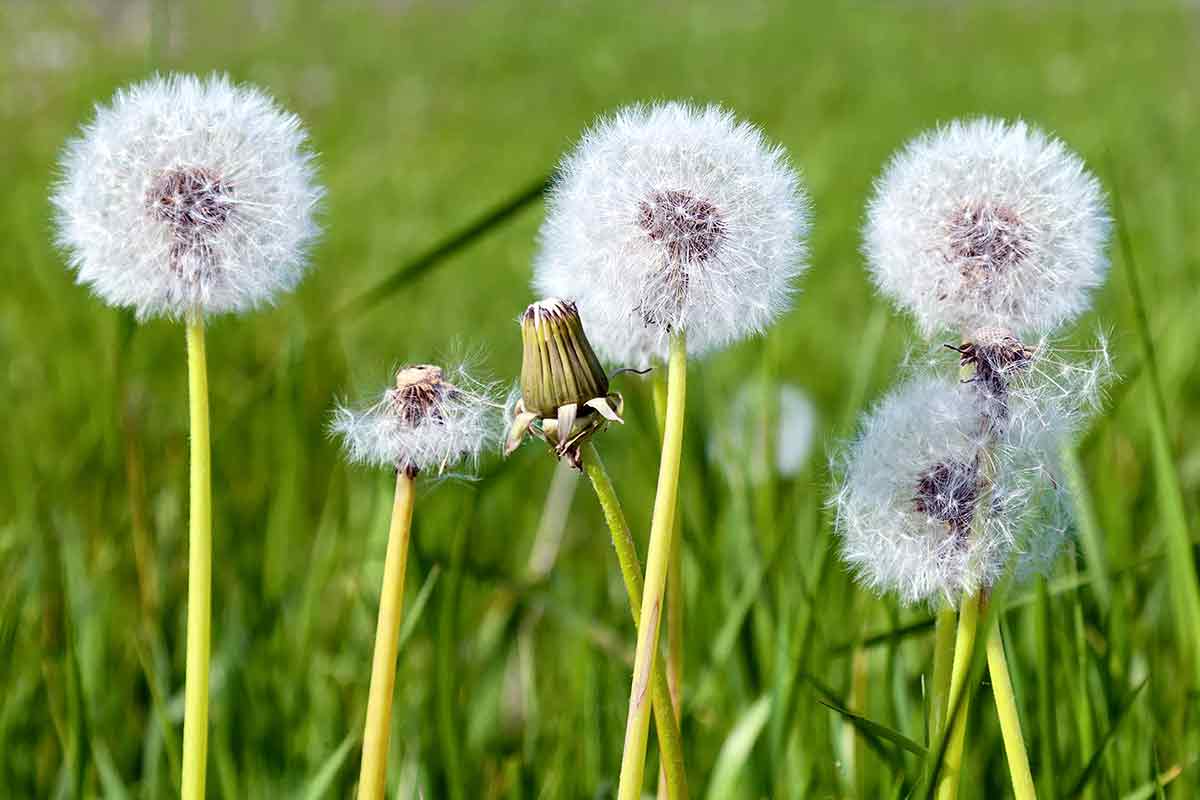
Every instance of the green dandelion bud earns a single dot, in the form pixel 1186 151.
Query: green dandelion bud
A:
pixel 564 390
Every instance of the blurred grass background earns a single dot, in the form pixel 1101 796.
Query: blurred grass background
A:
pixel 513 683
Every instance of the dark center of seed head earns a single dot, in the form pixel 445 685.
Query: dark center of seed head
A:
pixel 689 228
pixel 948 492
pixel 191 200
pixel 988 237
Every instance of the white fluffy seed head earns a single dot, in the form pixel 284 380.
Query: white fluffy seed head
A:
pixel 186 197
pixel 933 507
pixel 986 222
pixel 738 444
pixel 673 217
pixel 426 422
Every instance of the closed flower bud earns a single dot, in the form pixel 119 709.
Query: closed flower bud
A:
pixel 564 391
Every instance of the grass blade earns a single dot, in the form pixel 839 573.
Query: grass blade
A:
pixel 1185 589
pixel 1089 771
pixel 735 751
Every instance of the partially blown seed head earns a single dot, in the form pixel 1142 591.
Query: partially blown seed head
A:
pixel 933 504
pixel 673 217
pixel 425 422
pixel 985 222
pixel 187 196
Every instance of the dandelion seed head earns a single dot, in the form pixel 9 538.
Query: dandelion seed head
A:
pixel 188 196
pixel 932 506
pixel 988 223
pixel 673 217
pixel 425 422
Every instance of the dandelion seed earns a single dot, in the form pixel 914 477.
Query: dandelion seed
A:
pixel 988 223
pixel 186 197
pixel 424 423
pixel 673 217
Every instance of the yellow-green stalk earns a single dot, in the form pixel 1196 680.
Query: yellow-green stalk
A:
pixel 637 724
pixel 565 400
pixel 372 774
pixel 199 608
pixel 1010 718
pixel 673 779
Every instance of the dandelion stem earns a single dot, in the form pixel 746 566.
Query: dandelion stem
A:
pixel 199 602
pixel 964 645
pixel 943 658
pixel 1010 720
pixel 674 587
pixel 665 715
pixel 372 776
pixel 637 724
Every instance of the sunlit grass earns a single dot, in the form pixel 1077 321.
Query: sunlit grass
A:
pixel 428 119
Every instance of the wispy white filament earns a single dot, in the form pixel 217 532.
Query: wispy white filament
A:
pixel 987 222
pixel 455 423
pixel 188 196
pixel 673 217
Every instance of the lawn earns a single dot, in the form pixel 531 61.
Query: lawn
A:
pixel 514 671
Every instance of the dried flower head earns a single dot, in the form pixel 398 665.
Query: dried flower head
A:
pixel 186 196
pixel 425 422
pixel 987 223
pixel 564 396
pixel 673 217
pixel 740 443
pixel 932 504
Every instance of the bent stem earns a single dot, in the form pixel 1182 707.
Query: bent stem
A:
pixel 199 602
pixel 372 776
pixel 964 645
pixel 637 724
pixel 674 588
pixel 666 717
pixel 1010 719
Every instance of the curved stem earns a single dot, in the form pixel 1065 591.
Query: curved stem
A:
pixel 964 646
pixel 199 603
pixel 666 719
pixel 373 774
pixel 1010 719
pixel 637 724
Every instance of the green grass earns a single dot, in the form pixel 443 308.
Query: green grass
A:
pixel 429 117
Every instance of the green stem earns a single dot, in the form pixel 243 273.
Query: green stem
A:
pixel 964 646
pixel 199 607
pixel 943 658
pixel 1010 720
pixel 674 588
pixel 665 718
pixel 372 776
pixel 658 556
